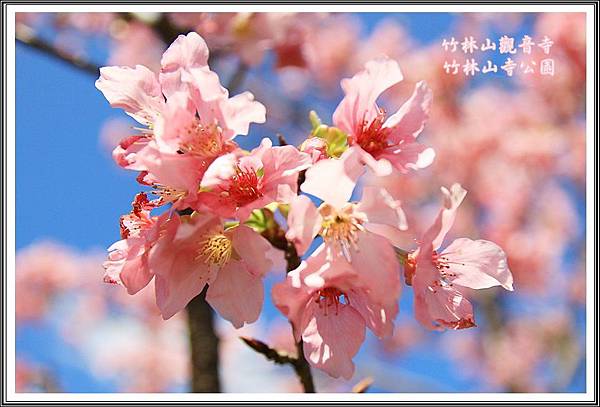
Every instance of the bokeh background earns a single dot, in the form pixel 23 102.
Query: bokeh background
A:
pixel 517 144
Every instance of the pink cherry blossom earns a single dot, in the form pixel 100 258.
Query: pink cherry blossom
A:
pixel 473 264
pixel 237 183
pixel 190 119
pixel 363 233
pixel 127 262
pixel 329 312
pixel 232 261
pixel 378 137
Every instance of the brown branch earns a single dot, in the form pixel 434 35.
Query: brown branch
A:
pixel 204 346
pixel 274 355
pixel 298 363
pixel 26 36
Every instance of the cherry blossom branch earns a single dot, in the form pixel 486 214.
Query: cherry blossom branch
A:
pixel 25 35
pixel 276 236
pixel 204 345
pixel 274 355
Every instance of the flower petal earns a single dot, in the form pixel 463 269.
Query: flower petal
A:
pixel 375 261
pixel 304 222
pixel 236 294
pixel 408 156
pixel 176 287
pixel 239 111
pixel 253 250
pixel 291 298
pixel 135 90
pixel 379 319
pixel 343 173
pixel 361 92
pixel 410 119
pixel 477 264
pixel 185 53
pixel 385 215
pixel 445 219
pixel 332 339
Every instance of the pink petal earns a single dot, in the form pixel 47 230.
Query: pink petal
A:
pixel 410 119
pixel 445 219
pixel 134 90
pixel 252 249
pixel 331 340
pixel 186 52
pixel 379 319
pixel 362 91
pixel 126 152
pixel 239 111
pixel 236 294
pixel 176 287
pixel 135 273
pixel 438 305
pixel 448 308
pixel 205 90
pixel 181 171
pixel 408 156
pixel 384 213
pixel 477 264
pixel 304 222
pixel 291 298
pixel 376 263
pixel 341 173
pixel 282 162
pixel 220 170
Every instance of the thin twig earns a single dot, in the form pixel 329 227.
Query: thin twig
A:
pixel 363 385
pixel 26 36
pixel 274 355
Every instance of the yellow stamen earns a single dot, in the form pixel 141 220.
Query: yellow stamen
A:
pixel 341 227
pixel 215 249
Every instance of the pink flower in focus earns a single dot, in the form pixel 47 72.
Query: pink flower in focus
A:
pixel 474 264
pixel 232 261
pixel 361 234
pixel 236 183
pixel 330 315
pixel 127 262
pixel 190 119
pixel 383 144
pixel 329 312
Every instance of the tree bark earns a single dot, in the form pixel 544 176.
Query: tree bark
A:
pixel 204 346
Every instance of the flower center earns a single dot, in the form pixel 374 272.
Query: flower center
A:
pixel 205 141
pixel 215 249
pixel 331 296
pixel 373 137
pixel 244 186
pixel 442 263
pixel 341 227
pixel 138 220
pixel 168 194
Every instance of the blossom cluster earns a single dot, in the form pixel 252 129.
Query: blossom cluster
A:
pixel 201 228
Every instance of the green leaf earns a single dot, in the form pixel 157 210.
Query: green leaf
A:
pixel 315 121
pixel 257 221
pixel 337 142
